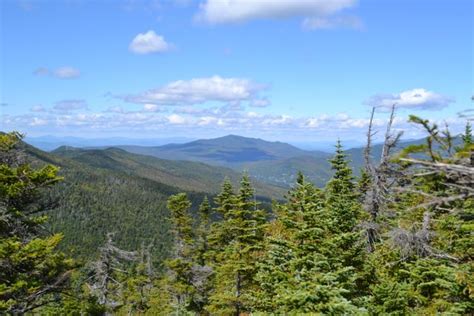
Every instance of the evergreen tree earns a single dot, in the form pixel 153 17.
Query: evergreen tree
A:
pixel 345 213
pixel 33 273
pixel 203 232
pixel 424 266
pixel 220 235
pixel 181 263
pixel 296 275
pixel 236 266
pixel 467 136
pixel 314 258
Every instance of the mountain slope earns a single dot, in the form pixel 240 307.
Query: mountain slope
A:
pixel 229 150
pixel 270 162
pixel 115 191
pixel 186 175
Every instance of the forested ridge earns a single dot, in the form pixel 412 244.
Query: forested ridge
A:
pixel 395 240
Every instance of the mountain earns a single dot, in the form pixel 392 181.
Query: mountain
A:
pixel 231 150
pixel 185 175
pixel 112 190
pixel 274 163
pixel 50 142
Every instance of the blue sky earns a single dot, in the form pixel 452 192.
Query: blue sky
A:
pixel 282 69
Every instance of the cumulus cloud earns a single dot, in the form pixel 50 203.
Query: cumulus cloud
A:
pixel 349 22
pixel 234 11
pixel 199 90
pixel 210 122
pixel 65 72
pixel 148 43
pixel 421 99
pixel 70 105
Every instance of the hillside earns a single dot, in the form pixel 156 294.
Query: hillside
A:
pixel 185 175
pixel 274 163
pixel 231 150
pixel 115 191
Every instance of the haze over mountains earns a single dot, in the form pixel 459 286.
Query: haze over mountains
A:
pixel 275 163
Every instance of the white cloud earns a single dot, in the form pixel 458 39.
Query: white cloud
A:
pixel 176 119
pixel 149 107
pixel 149 42
pixel 413 99
pixel 211 122
pixel 200 90
pixel 234 11
pixel 350 22
pixel 36 121
pixel 70 105
pixel 66 73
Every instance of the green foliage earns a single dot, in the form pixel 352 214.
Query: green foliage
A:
pixel 315 258
pixel 32 271
pixel 223 255
pixel 235 264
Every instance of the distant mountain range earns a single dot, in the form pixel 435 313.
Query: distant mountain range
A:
pixel 275 163
pixel 50 142
pixel 271 162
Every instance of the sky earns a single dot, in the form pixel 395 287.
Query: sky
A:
pixel 289 70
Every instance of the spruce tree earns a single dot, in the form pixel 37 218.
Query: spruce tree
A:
pixel 345 213
pixel 236 267
pixel 467 136
pixel 314 259
pixel 203 232
pixel 33 273
pixel 300 272
pixel 181 263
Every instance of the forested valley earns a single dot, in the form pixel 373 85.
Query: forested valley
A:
pixel 395 238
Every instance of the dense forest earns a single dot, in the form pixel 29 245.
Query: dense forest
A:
pixel 396 240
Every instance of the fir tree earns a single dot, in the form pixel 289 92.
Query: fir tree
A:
pixel 301 272
pixel 33 273
pixel 203 232
pixel 467 136
pixel 237 265
pixel 181 263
